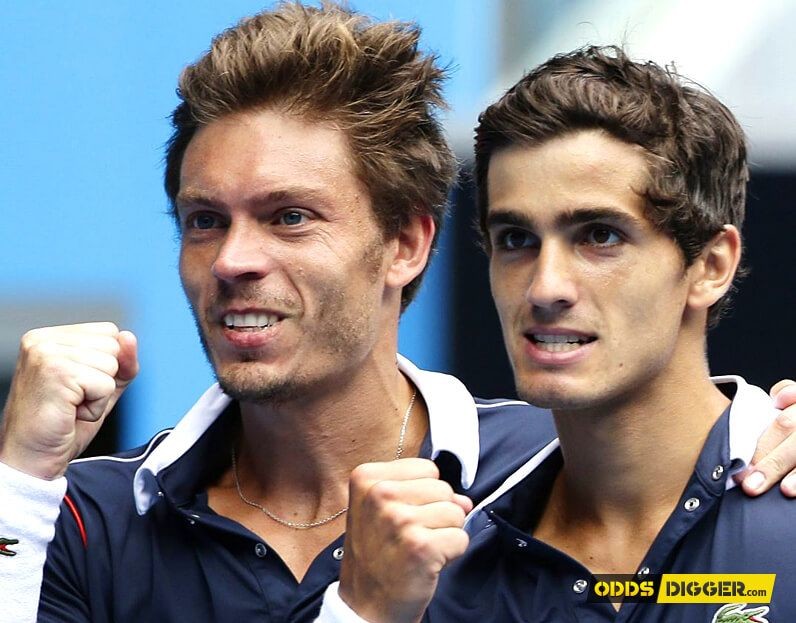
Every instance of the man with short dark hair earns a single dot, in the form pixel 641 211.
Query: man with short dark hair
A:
pixel 611 194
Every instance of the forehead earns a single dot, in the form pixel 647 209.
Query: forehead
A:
pixel 587 169
pixel 268 151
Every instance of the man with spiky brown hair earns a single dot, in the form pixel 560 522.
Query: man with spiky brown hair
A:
pixel 308 174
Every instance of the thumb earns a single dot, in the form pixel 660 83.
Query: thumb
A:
pixel 128 369
pixel 128 358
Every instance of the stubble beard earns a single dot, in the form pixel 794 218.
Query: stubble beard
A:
pixel 342 324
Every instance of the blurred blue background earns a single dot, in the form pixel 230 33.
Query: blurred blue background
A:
pixel 88 87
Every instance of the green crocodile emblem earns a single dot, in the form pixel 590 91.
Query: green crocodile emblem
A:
pixel 735 613
pixel 4 543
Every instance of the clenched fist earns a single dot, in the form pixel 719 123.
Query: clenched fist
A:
pixel 404 525
pixel 66 381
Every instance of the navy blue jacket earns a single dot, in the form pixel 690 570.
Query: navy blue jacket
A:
pixel 180 561
pixel 508 576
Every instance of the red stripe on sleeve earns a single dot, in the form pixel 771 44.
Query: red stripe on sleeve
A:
pixel 78 519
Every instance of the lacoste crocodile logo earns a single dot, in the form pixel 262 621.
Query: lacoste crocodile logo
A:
pixel 735 613
pixel 4 543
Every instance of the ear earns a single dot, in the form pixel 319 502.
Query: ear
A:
pixel 412 249
pixel 714 270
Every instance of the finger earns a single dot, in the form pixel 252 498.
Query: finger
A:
pixel 415 492
pixel 780 430
pixel 445 543
pixel 784 394
pixel 99 328
pixel 96 388
pixel 364 476
pixel 93 411
pixel 779 461
pixel 97 359
pixel 127 358
pixel 438 515
pixel 89 341
pixel 464 502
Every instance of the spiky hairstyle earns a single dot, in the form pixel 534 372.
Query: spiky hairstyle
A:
pixel 333 65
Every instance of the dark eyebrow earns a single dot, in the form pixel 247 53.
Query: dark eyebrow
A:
pixel 517 218
pixel 512 218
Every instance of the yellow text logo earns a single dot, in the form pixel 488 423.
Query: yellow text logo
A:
pixel 710 588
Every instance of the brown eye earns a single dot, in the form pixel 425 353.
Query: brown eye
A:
pixel 602 237
pixel 514 239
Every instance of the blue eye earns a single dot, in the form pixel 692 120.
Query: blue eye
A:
pixel 292 217
pixel 602 236
pixel 202 220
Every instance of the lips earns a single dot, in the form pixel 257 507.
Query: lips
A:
pixel 250 321
pixel 557 346
pixel 250 329
pixel 559 342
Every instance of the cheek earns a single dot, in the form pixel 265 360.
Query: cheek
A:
pixel 190 274
pixel 508 291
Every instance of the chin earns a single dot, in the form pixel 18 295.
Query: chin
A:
pixel 245 383
pixel 258 390
pixel 555 396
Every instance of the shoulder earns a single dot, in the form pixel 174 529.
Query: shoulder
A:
pixel 100 490
pixel 511 424
pixel 511 432
pixel 104 475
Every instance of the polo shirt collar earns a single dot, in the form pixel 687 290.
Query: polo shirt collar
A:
pixel 751 412
pixel 452 414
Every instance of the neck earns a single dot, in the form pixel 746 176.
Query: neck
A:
pixel 308 447
pixel 637 454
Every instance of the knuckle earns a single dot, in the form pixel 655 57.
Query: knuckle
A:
pixel 774 464
pixel 30 338
pixel 445 491
pixel 361 477
pixel 32 344
pixel 431 468
pixel 417 546
pixel 397 516
pixel 457 515
pixel 462 540
pixel 786 422
pixel 383 491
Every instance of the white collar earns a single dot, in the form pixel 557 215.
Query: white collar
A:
pixel 751 412
pixel 452 414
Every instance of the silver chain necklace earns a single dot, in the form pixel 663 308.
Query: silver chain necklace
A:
pixel 306 525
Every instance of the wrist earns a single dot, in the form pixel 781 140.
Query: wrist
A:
pixel 32 463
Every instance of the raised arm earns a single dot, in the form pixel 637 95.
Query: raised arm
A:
pixel 67 380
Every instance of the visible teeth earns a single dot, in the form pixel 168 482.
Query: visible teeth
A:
pixel 558 347
pixel 250 321
pixel 558 343
pixel 556 339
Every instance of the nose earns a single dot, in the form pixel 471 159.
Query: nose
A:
pixel 552 285
pixel 243 254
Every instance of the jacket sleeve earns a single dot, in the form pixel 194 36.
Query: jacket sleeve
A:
pixel 29 509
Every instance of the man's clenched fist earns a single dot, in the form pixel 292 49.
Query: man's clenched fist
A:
pixel 404 525
pixel 66 381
